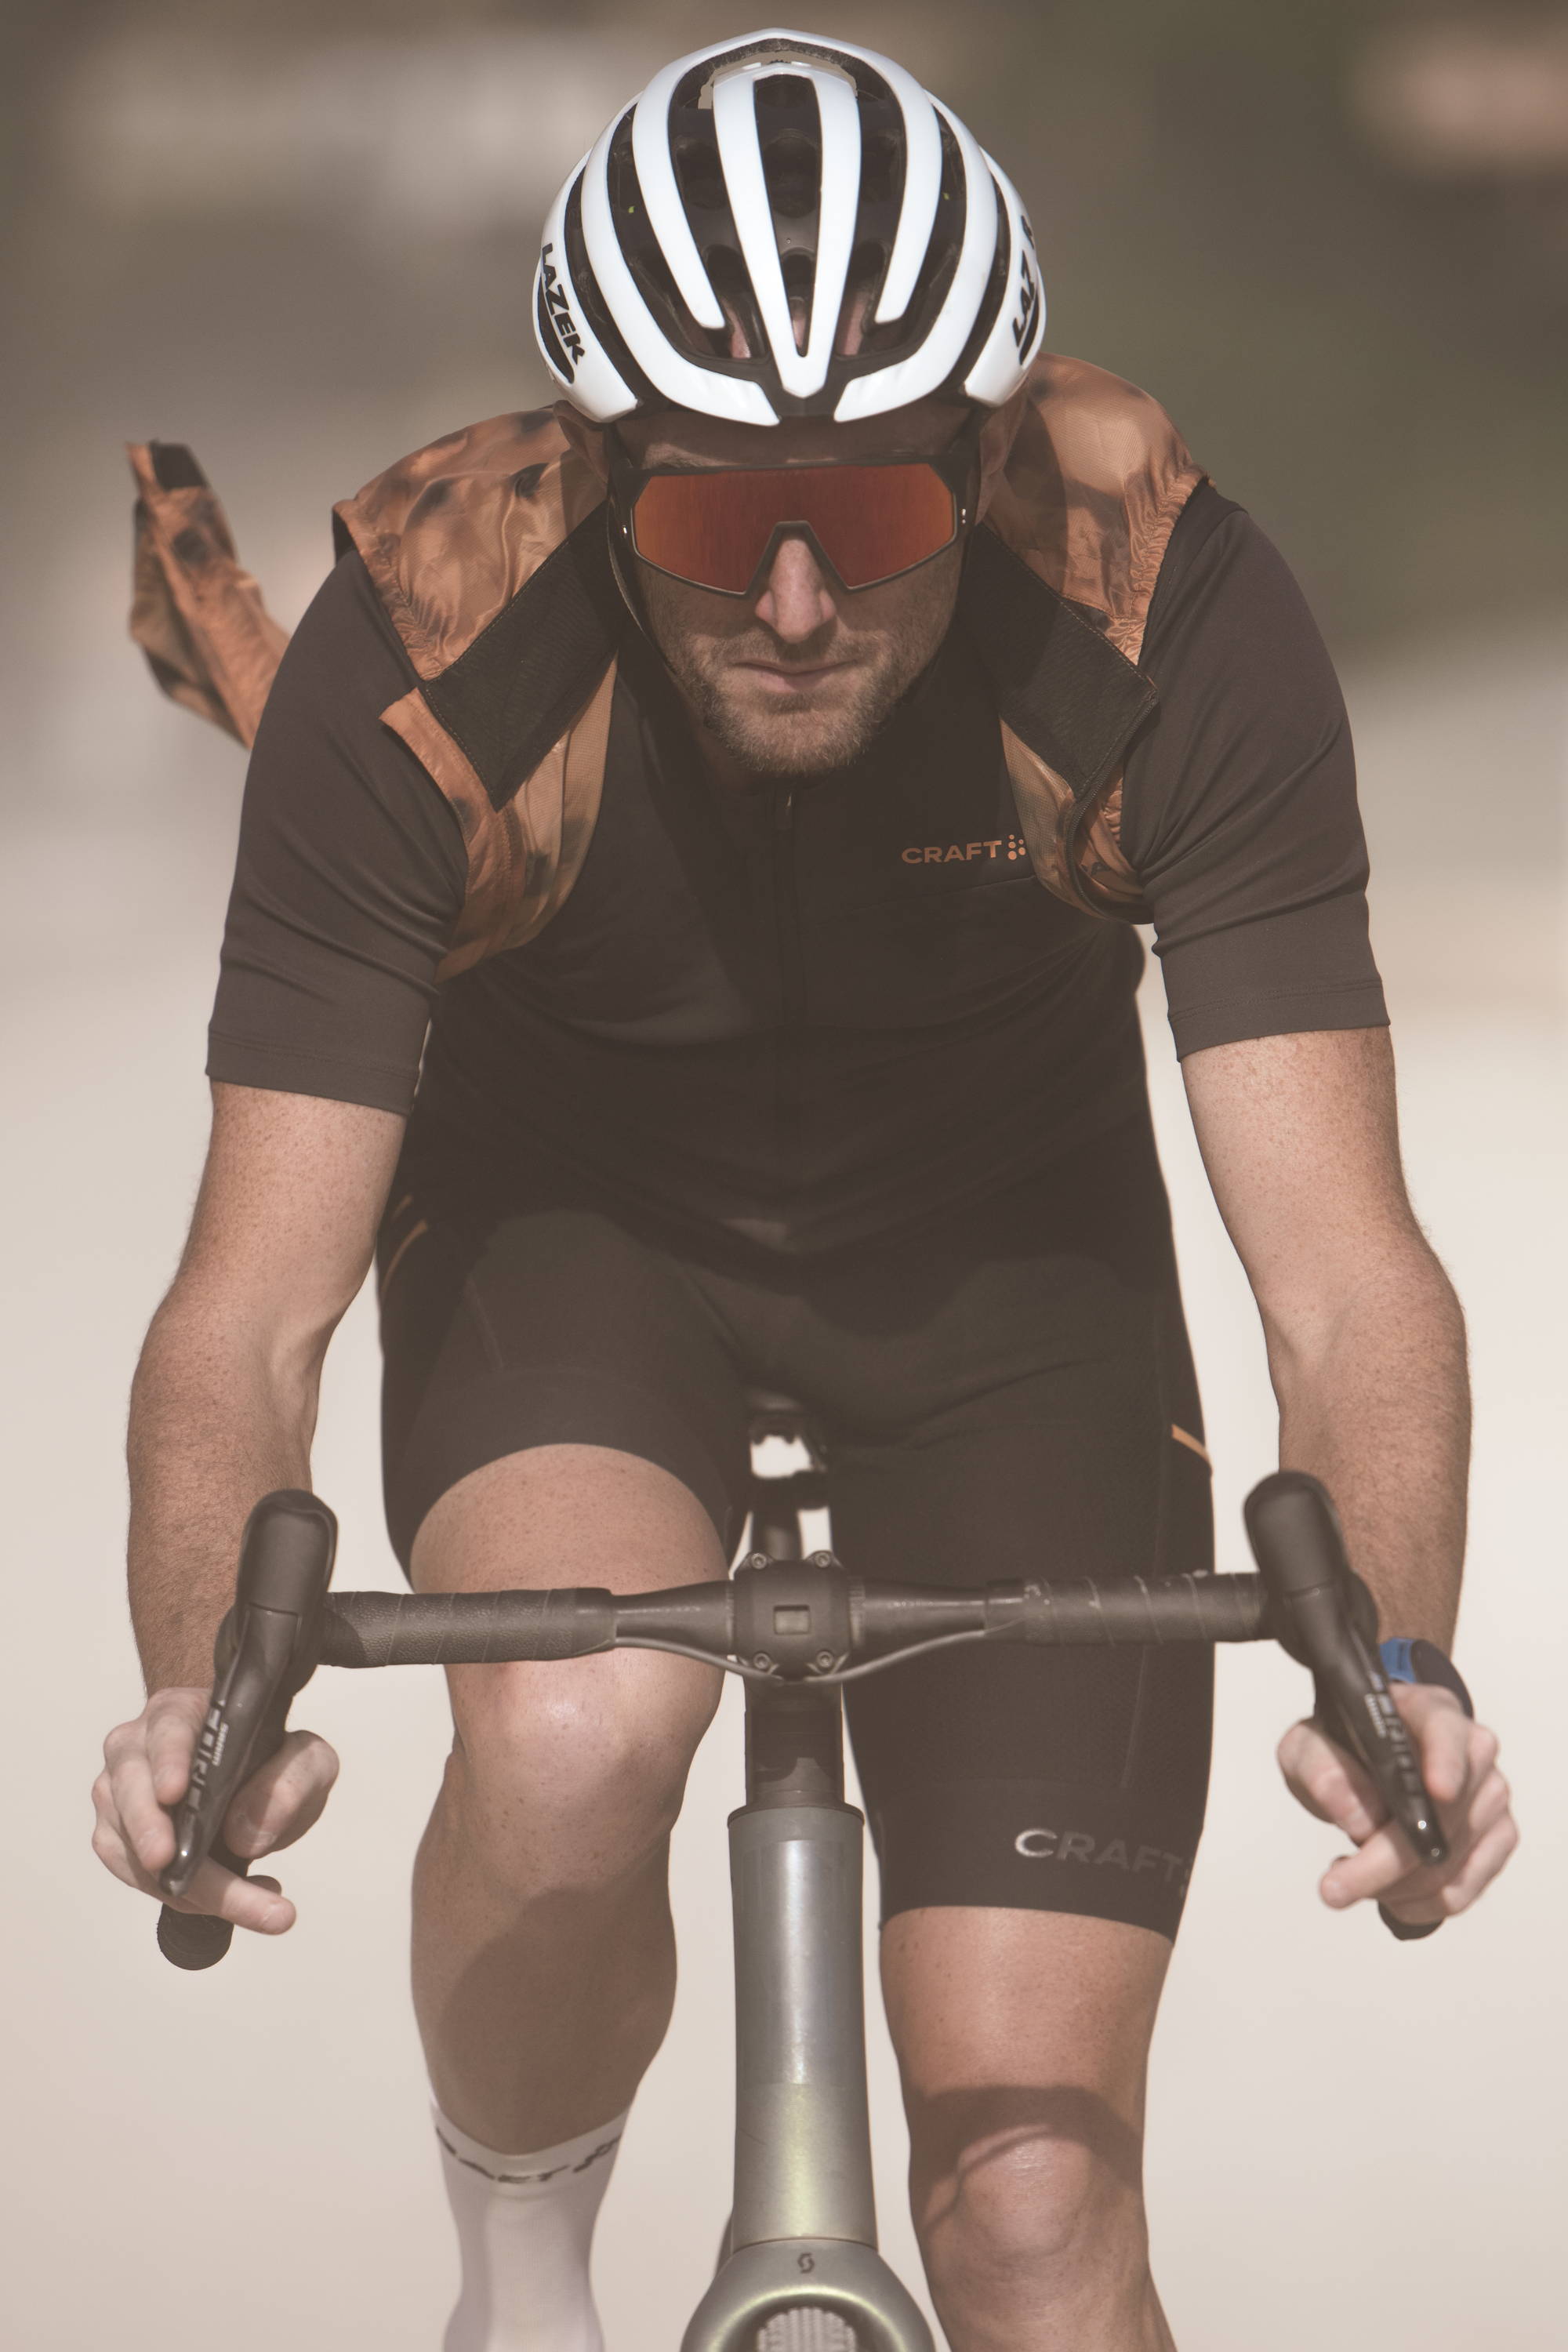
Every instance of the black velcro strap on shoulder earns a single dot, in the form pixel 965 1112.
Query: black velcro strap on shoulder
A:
pixel 175 467
pixel 530 671
pixel 1059 683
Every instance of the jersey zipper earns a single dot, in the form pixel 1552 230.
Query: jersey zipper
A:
pixel 792 986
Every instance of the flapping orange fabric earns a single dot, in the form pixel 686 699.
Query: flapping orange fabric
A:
pixel 195 611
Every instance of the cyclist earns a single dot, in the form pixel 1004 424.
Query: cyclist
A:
pixel 681 910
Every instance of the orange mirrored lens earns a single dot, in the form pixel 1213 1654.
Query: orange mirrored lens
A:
pixel 870 521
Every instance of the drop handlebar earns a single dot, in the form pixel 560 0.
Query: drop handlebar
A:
pixel 806 1621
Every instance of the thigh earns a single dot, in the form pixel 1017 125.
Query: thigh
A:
pixel 544 1329
pixel 557 1409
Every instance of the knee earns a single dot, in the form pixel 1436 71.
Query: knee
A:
pixel 571 1778
pixel 1032 2221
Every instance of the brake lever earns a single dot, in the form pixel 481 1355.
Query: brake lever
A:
pixel 267 1650
pixel 1325 1617
pixel 251 1700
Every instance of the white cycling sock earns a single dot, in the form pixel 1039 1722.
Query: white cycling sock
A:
pixel 525 2225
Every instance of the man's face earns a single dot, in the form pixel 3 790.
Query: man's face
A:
pixel 798 674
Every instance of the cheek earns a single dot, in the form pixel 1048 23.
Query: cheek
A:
pixel 683 618
pixel 913 615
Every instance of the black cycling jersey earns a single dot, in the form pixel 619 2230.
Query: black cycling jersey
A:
pixel 812 1012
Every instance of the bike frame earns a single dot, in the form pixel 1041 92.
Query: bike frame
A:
pixel 802 2238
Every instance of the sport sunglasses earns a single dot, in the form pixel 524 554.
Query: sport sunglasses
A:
pixel 718 529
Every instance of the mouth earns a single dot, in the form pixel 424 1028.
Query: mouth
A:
pixel 781 680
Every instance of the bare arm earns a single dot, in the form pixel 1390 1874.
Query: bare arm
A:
pixel 1366 1347
pixel 224 1403
pixel 222 1409
pixel 1367 1341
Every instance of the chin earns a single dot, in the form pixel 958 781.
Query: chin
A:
pixel 793 742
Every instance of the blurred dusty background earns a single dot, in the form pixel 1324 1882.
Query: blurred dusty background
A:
pixel 1334 241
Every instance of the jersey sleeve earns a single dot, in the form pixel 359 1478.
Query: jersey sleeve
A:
pixel 349 877
pixel 1239 811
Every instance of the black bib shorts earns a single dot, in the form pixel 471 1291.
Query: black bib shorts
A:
pixel 1004 1392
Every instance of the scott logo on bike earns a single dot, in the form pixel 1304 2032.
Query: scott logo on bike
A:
pixel 1079 1845
pixel 555 311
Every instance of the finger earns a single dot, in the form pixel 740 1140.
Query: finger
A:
pixel 279 1802
pixel 1487 1806
pixel 258 1904
pixel 141 1819
pixel 1481 1865
pixel 1443 1735
pixel 1421 1905
pixel 1330 1783
pixel 1480 1757
pixel 174 1721
pixel 110 1850
pixel 1374 1869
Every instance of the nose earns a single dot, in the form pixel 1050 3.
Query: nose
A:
pixel 797 598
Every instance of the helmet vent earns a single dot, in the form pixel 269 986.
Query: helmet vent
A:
pixel 793 163
pixel 779 91
pixel 799 278
pixel 700 181
pixel 881 170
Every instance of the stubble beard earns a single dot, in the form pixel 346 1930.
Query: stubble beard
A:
pixel 795 742
pixel 808 741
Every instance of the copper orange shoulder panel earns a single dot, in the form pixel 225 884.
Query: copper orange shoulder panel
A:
pixel 450 534
pixel 1096 478
pixel 195 611
pixel 557 808
pixel 1088 871
pixel 494 846
pixel 523 858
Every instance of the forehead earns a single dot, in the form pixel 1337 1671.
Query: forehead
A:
pixel 676 436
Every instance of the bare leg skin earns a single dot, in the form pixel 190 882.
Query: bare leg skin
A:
pixel 543 1953
pixel 1023 2039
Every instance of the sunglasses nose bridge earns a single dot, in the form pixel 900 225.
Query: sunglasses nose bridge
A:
pixel 786 534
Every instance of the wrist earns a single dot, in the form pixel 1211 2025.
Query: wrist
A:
pixel 1415 1661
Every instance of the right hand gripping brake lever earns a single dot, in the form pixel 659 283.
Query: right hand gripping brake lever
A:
pixel 1327 1620
pixel 267 1650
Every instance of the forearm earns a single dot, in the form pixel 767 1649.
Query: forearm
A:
pixel 216 1420
pixel 1374 1400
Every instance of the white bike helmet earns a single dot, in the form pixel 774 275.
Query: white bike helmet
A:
pixel 782 226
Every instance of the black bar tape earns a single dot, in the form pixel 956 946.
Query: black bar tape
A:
pixel 1166 1609
pixel 465 1629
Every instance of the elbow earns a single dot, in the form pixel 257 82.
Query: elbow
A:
pixel 1389 1302
pixel 217 1340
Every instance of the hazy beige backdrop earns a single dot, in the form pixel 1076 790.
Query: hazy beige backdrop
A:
pixel 247 226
